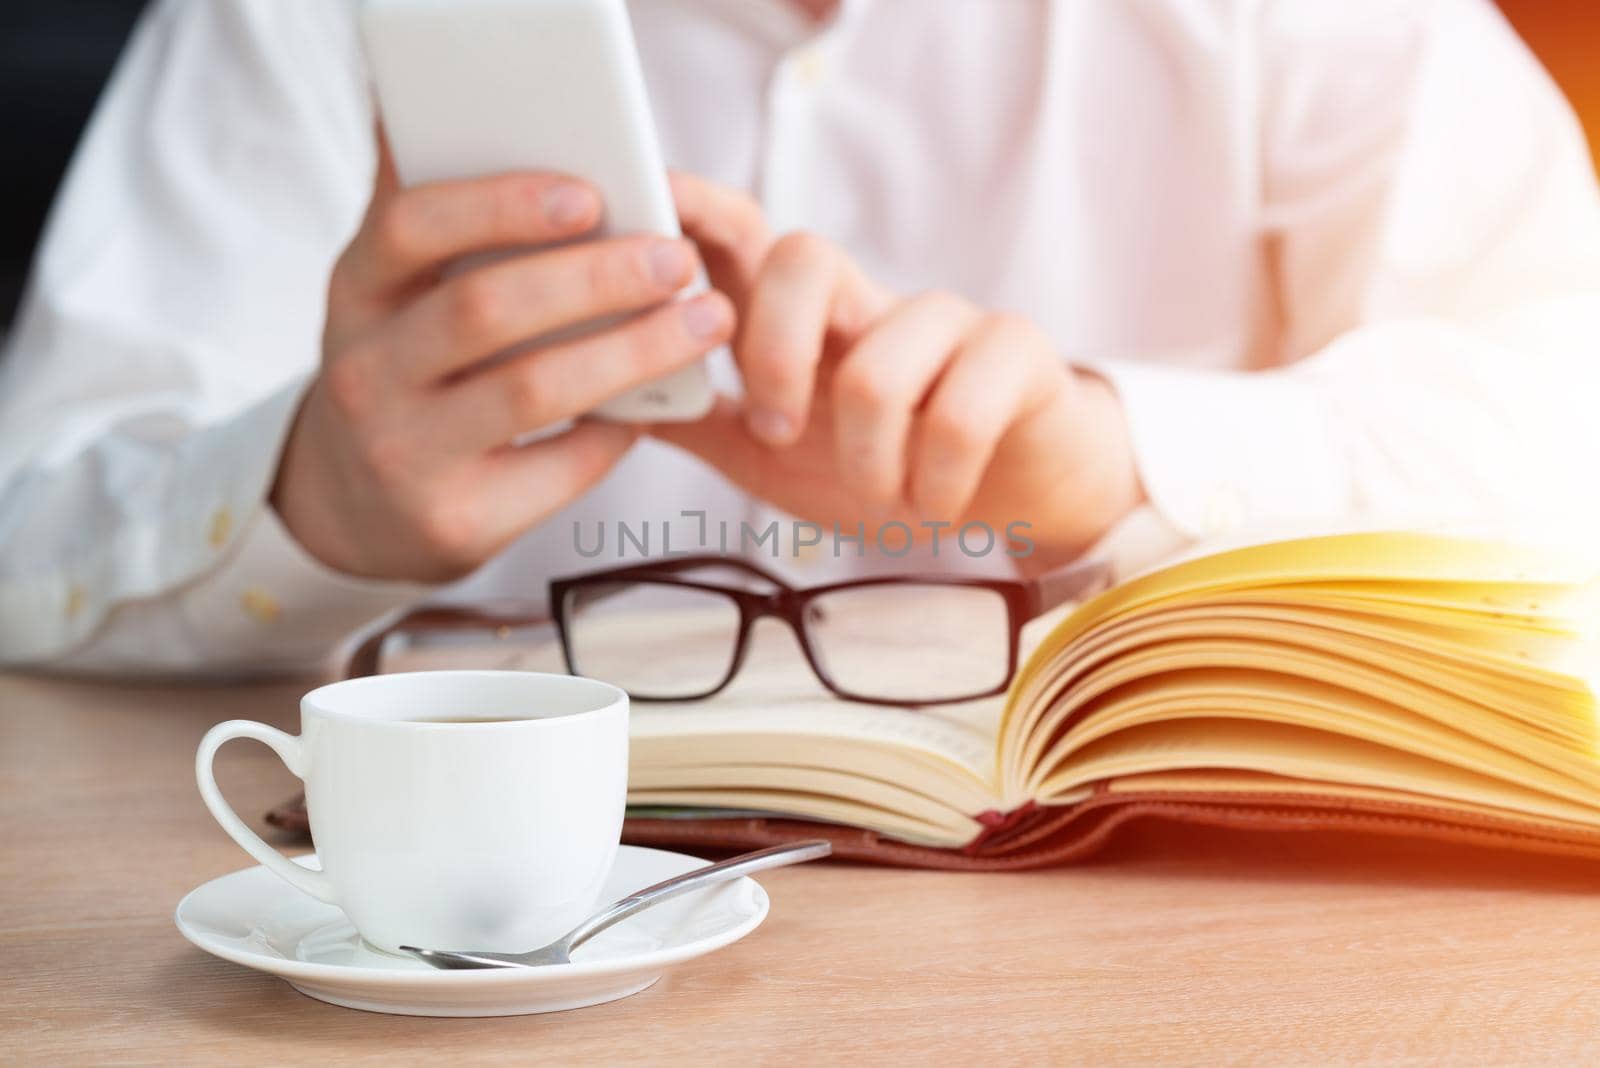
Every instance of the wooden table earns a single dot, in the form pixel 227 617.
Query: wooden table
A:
pixel 1175 947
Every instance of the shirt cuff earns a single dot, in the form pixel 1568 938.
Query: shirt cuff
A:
pixel 1141 541
pixel 161 517
pixel 270 605
pixel 1224 451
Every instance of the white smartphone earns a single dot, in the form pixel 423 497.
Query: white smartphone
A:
pixel 469 88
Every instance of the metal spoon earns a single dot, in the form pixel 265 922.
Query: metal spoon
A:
pixel 559 951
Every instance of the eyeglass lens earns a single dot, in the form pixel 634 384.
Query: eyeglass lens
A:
pixel 909 642
pixel 905 642
pixel 655 640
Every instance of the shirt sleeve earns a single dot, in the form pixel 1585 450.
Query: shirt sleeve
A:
pixel 1430 212
pixel 172 322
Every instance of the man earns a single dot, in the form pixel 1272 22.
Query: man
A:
pixel 1131 273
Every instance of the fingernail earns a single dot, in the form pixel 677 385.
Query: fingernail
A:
pixel 771 426
pixel 568 204
pixel 705 318
pixel 670 264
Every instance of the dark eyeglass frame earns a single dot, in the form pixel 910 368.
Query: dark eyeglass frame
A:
pixel 1024 600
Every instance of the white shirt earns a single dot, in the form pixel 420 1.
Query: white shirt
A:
pixel 1341 261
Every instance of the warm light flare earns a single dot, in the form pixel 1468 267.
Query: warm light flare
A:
pixel 1566 36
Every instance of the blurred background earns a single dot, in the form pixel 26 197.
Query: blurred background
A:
pixel 55 55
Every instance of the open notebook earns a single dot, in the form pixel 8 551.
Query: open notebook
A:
pixel 1399 683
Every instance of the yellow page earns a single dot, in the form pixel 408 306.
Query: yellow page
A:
pixel 1212 695
pixel 1375 564
pixel 1505 666
pixel 1553 727
pixel 1566 609
pixel 1341 558
pixel 1562 704
pixel 1171 665
pixel 1211 780
pixel 1300 753
pixel 1492 666
pixel 1541 656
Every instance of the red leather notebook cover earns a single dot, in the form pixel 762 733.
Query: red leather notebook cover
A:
pixel 1036 837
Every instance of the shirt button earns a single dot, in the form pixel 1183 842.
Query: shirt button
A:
pixel 1224 511
pixel 810 68
pixel 77 599
pixel 260 605
pixel 221 527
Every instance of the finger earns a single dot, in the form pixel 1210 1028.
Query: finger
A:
pixel 881 382
pixel 571 379
pixel 806 288
pixel 353 303
pixel 488 310
pixel 524 486
pixel 981 394
pixel 729 227
pixel 409 233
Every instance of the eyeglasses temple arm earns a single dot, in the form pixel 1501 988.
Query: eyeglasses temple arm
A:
pixel 1075 582
pixel 671 565
pixel 366 657
pixel 665 566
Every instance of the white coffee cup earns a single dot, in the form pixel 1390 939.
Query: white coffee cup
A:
pixel 450 835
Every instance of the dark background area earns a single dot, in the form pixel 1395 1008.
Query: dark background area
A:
pixel 54 58
pixel 55 55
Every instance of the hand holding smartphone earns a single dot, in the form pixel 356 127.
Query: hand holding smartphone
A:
pixel 469 88
pixel 476 315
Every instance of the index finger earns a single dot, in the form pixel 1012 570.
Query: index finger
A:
pixel 408 232
pixel 729 227
pixel 807 290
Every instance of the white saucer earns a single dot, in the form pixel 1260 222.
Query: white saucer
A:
pixel 254 918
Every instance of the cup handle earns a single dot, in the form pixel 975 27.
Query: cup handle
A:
pixel 287 746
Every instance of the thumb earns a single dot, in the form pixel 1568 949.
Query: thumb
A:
pixel 730 229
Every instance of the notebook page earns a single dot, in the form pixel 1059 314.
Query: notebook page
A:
pixel 1301 753
pixel 775 692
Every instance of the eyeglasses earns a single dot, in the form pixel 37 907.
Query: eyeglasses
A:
pixel 679 629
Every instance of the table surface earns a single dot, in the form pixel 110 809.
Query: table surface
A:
pixel 1176 945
